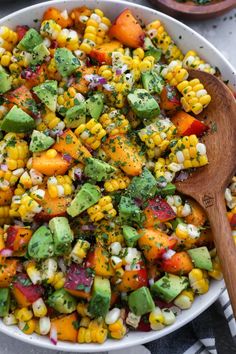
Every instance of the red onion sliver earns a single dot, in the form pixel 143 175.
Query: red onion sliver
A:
pixel 62 265
pixel 88 227
pixel 53 335
pixel 4 167
pixel 67 157
pixel 168 254
pixel 6 252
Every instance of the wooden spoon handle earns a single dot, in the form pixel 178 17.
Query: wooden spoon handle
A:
pixel 224 243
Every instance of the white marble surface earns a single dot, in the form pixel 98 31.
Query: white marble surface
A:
pixel 220 31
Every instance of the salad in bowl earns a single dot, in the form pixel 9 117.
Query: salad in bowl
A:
pixel 98 120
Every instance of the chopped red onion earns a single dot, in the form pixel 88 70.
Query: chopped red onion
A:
pixel 58 132
pixel 118 72
pixel 4 167
pixel 95 80
pixel 53 335
pixel 183 175
pixel 108 87
pixel 67 157
pixel 19 268
pixel 54 44
pixel 168 254
pixel 6 252
pixel 89 227
pixel 70 81
pixel 78 173
pixel 151 281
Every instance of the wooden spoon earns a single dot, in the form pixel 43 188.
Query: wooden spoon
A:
pixel 207 185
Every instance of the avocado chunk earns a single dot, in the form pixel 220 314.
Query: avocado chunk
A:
pixel 41 244
pixel 98 170
pixel 30 40
pixel 169 286
pixel 47 93
pixel 62 301
pixel 101 297
pixel 66 62
pixel 95 105
pixel 201 258
pixel 140 301
pixel 5 80
pixel 131 235
pixel 87 196
pixel 144 186
pixel 143 104
pixel 129 211
pixel 148 44
pixel 152 82
pixel 39 54
pixel 62 235
pixel 76 115
pixel 17 121
pixel 40 141
pixel 4 301
pixel 169 189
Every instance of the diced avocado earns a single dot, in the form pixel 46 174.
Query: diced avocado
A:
pixel 41 244
pixel 39 53
pixel 62 235
pixel 131 235
pixel 169 286
pixel 87 196
pixel 17 121
pixel 5 80
pixel 154 52
pixel 4 301
pixel 140 301
pixel 40 141
pixel 152 82
pixel 169 189
pixel 66 62
pixel 101 297
pixel 30 40
pixel 98 170
pixel 76 115
pixel 47 93
pixel 62 301
pixel 143 104
pixel 144 186
pixel 201 258
pixel 129 211
pixel 95 105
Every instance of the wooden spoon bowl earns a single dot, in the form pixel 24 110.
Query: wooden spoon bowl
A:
pixel 191 11
pixel 207 185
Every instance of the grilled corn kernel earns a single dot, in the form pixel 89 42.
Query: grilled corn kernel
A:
pixel 156 319
pixel 195 97
pixel 192 61
pixel 91 133
pixel 80 251
pixel 114 122
pixel 185 299
pixel 199 281
pixel 39 308
pixel 23 314
pixel 103 209
pixel 216 272
pixel 117 329
pixel 161 39
pixel 117 183
pixel 174 73
pixel 27 327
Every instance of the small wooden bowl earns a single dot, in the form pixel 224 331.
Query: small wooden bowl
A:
pixel 191 11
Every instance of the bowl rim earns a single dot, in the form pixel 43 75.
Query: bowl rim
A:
pixel 150 336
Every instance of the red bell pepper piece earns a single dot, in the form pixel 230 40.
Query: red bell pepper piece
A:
pixel 179 263
pixel 158 210
pixel 188 125
pixel 170 98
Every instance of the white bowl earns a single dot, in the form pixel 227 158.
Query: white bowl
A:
pixel 187 39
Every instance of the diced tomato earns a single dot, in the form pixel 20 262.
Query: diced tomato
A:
pixel 158 210
pixel 170 98
pixel 144 324
pixel 21 31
